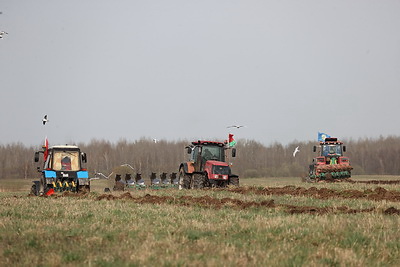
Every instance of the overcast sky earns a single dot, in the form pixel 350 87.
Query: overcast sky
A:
pixel 173 70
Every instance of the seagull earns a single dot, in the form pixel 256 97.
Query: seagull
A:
pixel 2 33
pixel 45 119
pixel 236 126
pixel 155 140
pixel 295 151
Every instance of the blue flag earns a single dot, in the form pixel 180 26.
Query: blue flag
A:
pixel 322 136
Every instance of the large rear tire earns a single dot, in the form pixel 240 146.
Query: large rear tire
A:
pixel 184 179
pixel 83 188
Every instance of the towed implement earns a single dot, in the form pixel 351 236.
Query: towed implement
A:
pixel 62 171
pixel 207 166
pixel 330 164
pixel 139 183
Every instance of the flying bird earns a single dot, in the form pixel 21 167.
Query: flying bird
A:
pixel 2 33
pixel 296 150
pixel 155 140
pixel 45 120
pixel 236 126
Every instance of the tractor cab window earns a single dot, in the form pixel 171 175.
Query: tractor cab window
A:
pixel 195 152
pixel 328 150
pixel 212 153
pixel 47 164
pixel 66 161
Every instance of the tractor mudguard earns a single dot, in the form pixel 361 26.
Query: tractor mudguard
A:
pixel 188 167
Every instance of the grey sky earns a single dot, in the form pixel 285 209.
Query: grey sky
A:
pixel 187 69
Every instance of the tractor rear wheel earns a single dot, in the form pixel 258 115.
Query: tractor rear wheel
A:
pixel 83 188
pixel 184 179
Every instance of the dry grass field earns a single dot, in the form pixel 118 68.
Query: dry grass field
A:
pixel 264 222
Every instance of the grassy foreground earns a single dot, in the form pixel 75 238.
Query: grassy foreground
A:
pixel 86 231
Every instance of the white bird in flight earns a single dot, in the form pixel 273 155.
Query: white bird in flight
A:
pixel 236 126
pixel 296 150
pixel 2 33
pixel 45 120
pixel 155 140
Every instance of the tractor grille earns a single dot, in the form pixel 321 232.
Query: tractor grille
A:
pixel 221 170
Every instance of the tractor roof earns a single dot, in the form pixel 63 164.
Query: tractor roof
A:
pixel 60 147
pixel 207 143
pixel 331 141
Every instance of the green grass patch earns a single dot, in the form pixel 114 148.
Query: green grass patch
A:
pixel 70 231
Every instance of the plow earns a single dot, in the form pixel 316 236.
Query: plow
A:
pixel 138 183
pixel 328 172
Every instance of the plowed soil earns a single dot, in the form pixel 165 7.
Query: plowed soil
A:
pixel 374 182
pixel 378 194
pixel 210 202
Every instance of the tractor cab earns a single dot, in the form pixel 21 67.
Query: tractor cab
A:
pixel 207 151
pixel 64 159
pixel 331 151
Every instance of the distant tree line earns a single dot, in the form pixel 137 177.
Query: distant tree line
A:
pixel 379 156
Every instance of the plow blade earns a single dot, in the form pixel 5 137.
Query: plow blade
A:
pixel 329 172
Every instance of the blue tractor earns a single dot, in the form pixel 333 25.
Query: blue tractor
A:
pixel 62 171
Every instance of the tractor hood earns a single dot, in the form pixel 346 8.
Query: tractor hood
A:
pixel 217 163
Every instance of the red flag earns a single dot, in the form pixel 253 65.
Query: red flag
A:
pixel 46 149
pixel 231 141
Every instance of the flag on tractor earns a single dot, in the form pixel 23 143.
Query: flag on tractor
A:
pixel 46 149
pixel 231 141
pixel 322 136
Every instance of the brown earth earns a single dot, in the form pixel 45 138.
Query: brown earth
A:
pixel 374 182
pixel 210 202
pixel 204 201
pixel 377 194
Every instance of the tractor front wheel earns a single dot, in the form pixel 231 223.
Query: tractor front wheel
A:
pixel 199 180
pixel 34 190
pixel 234 181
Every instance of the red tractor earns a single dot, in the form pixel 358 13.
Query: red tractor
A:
pixel 330 164
pixel 207 166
